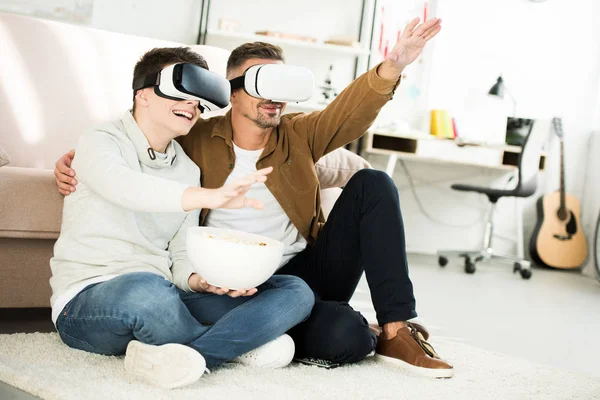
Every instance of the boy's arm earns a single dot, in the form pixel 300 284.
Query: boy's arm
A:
pixel 101 167
pixel 182 267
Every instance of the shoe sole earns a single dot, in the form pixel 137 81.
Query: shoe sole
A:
pixel 440 373
pixel 167 366
pixel 283 345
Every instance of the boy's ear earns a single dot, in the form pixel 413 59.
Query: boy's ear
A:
pixel 141 97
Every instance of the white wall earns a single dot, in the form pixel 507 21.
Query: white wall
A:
pixel 591 190
pixel 173 20
pixel 548 53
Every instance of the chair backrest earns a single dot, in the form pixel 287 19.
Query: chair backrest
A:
pixel 529 159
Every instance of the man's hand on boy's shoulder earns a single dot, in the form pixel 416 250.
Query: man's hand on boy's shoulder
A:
pixel 65 176
pixel 199 284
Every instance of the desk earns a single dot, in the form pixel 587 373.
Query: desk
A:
pixel 437 150
pixel 431 149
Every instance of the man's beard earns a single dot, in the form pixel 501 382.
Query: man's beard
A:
pixel 265 122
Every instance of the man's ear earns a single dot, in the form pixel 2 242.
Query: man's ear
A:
pixel 233 96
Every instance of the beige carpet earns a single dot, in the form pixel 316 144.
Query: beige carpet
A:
pixel 41 365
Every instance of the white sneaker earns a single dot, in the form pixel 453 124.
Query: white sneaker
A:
pixel 168 366
pixel 276 354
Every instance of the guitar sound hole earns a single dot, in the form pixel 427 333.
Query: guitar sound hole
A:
pixel 571 228
pixel 562 214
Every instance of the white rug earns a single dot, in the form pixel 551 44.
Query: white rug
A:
pixel 42 365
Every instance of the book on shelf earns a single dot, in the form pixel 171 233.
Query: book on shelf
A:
pixel 442 124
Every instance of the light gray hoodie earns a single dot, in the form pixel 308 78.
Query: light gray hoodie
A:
pixel 125 215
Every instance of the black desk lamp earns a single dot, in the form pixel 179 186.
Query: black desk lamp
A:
pixel 498 90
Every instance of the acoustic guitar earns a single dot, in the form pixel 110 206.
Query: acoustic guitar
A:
pixel 558 240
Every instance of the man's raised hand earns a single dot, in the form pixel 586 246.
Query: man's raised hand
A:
pixel 410 45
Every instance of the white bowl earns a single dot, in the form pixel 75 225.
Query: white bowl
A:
pixel 232 259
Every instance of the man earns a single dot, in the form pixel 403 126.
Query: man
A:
pixel 364 230
pixel 121 279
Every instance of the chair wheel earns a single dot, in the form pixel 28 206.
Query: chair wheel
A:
pixel 469 266
pixel 525 273
pixel 516 267
pixel 443 261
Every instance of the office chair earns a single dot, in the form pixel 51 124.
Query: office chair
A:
pixel 527 174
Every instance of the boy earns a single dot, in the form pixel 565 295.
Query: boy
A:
pixel 121 280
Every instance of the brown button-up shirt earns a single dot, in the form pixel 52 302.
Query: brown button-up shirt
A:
pixel 293 148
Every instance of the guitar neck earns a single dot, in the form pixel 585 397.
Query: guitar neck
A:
pixel 562 176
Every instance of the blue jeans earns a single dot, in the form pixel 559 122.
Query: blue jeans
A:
pixel 105 317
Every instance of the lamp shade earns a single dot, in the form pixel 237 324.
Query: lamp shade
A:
pixel 498 88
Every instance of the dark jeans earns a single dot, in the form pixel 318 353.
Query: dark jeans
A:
pixel 363 232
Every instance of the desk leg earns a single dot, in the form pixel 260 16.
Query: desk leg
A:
pixel 391 166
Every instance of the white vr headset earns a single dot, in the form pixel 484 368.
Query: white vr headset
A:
pixel 276 82
pixel 188 82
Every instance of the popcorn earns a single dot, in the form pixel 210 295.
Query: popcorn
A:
pixel 234 239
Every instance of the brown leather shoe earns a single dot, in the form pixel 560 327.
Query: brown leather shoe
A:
pixel 409 350
pixel 420 328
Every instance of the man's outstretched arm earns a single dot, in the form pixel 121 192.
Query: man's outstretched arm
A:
pixel 354 110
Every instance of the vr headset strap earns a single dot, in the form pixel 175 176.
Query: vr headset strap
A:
pixel 237 83
pixel 148 81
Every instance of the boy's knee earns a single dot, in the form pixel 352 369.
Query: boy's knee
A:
pixel 148 293
pixel 299 294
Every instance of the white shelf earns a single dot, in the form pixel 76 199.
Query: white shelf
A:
pixel 249 37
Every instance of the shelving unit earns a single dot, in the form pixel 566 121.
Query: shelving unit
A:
pixel 249 37
pixel 349 61
pixel 340 64
pixel 361 53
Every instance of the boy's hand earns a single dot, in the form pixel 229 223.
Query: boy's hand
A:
pixel 65 176
pixel 234 195
pixel 198 284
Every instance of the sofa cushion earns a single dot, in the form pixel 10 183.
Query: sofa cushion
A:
pixel 336 168
pixel 328 199
pixel 34 207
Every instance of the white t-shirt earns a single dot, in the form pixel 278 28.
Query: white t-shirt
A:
pixel 272 221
